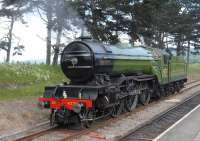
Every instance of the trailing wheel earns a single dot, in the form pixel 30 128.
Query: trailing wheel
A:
pixel 131 102
pixel 144 98
pixel 174 89
pixel 171 89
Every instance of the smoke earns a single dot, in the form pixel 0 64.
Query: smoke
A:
pixel 75 23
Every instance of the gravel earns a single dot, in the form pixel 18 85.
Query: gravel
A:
pixel 16 115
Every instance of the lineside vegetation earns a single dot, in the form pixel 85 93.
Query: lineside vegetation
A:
pixel 25 81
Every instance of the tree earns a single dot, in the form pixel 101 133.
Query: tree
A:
pixel 60 16
pixel 44 7
pixel 14 12
pixel 186 31
pixel 154 20
pixel 101 18
pixel 106 19
pixel 161 23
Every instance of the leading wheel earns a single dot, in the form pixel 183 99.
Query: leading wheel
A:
pixel 52 117
pixel 87 118
pixel 131 102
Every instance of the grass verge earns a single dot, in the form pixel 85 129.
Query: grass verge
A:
pixel 22 81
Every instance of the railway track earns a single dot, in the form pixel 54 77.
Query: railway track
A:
pixel 44 128
pixel 24 134
pixel 151 129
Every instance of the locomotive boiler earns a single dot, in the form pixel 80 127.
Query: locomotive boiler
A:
pixel 82 61
pixel 106 80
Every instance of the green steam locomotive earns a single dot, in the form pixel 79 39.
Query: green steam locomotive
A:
pixel 108 80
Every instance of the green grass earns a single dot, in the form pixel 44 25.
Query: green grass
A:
pixel 29 80
pixel 194 68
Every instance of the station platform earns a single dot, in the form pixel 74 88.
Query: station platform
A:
pixel 186 129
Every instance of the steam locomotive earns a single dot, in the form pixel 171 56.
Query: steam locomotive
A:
pixel 106 80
